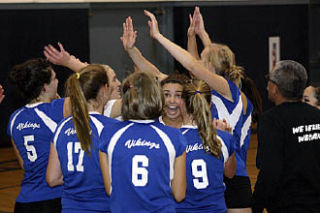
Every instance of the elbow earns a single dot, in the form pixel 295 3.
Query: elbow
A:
pixel 180 193
pixel 193 66
pixel 230 173
pixel 230 167
pixel 54 181
pixel 180 196
pixel 50 181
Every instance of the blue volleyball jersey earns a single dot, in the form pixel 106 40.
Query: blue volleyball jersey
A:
pixel 83 188
pixel 231 111
pixel 244 142
pixel 141 157
pixel 205 187
pixel 31 128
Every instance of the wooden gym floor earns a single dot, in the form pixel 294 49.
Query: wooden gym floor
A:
pixel 11 175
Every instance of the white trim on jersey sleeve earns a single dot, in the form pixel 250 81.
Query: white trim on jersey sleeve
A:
pixel 47 121
pixel 58 131
pixel 244 130
pixel 108 107
pixel 224 149
pixel 98 124
pixel 13 120
pixel 185 131
pixel 223 112
pixel 112 144
pixel 161 120
pixel 170 148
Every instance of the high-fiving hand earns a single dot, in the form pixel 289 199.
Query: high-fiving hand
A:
pixel 129 35
pixel 153 24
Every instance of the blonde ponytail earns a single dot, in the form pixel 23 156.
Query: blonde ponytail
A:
pixel 197 96
pixel 82 87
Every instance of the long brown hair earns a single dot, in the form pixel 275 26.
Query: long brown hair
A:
pixel 82 87
pixel 197 96
pixel 142 98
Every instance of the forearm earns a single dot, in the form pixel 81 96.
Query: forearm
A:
pixel 75 64
pixel 193 47
pixel 181 55
pixel 230 166
pixel 143 64
pixel 215 81
pixel 206 41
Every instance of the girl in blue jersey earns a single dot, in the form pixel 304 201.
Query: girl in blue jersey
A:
pixel 143 161
pixel 210 154
pixel 74 160
pixel 31 128
pixel 225 89
pixel 240 113
pixel 172 85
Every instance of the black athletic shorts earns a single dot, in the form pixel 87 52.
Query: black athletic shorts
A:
pixel 238 192
pixel 46 206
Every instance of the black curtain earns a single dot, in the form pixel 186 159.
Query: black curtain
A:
pixel 246 29
pixel 23 35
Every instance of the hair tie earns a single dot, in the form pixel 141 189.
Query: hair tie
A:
pixel 77 75
pixel 196 92
pixel 131 86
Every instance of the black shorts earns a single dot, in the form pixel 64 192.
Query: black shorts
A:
pixel 46 206
pixel 238 192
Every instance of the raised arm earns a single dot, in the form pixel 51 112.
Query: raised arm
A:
pixel 200 29
pixel 1 93
pixel 63 58
pixel 192 41
pixel 215 81
pixel 141 63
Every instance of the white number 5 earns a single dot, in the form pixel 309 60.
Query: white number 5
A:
pixel 140 174
pixel 31 150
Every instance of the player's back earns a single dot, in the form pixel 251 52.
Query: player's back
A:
pixel 205 187
pixel 141 156
pixel 83 184
pixel 31 128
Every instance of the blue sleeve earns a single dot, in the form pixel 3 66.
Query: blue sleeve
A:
pixel 229 141
pixel 104 140
pixel 11 120
pixel 214 112
pixel 235 92
pixel 9 125
pixel 56 112
pixel 180 145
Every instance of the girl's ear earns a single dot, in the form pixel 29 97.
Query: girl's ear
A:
pixel 44 88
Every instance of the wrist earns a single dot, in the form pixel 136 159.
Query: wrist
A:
pixel 158 36
pixel 203 34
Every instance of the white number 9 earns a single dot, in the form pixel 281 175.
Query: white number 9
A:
pixel 201 173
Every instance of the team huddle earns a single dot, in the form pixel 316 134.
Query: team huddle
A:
pixel 163 143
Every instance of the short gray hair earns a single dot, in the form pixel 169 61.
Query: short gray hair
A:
pixel 291 79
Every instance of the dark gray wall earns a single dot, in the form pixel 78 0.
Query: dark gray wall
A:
pixel 106 29
pixel 92 33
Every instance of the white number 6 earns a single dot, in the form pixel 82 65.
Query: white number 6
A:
pixel 140 174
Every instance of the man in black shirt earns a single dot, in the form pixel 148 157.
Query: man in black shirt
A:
pixel 288 154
